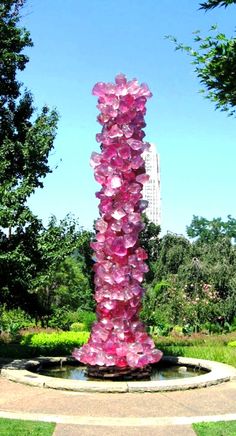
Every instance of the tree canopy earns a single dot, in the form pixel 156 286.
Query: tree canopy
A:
pixel 25 143
pixel 42 268
pixel 62 278
pixel 194 284
pixel 211 230
pixel 26 140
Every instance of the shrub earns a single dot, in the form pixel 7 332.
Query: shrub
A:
pixel 233 324
pixel 77 327
pixel 53 344
pixel 11 321
pixel 177 330
pixel 63 318
pixel 232 344
pixel 87 318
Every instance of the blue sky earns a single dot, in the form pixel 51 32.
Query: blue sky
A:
pixel 78 43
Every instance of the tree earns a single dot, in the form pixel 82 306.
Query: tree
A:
pixel 173 251
pixel 211 230
pixel 24 144
pixel 59 277
pixel 26 140
pixel 215 62
pixel 72 289
pixel 84 254
pixel 150 240
pixel 216 254
pixel 18 258
pixel 194 285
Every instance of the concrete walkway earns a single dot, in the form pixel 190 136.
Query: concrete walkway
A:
pixel 124 414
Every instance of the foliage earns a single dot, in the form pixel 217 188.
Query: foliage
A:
pixel 87 318
pixel 43 270
pixel 212 347
pixel 67 320
pixel 149 240
pixel 152 313
pixel 39 274
pixel 77 327
pixel 211 4
pixel 196 339
pixel 70 285
pixel 60 282
pixel 26 140
pixel 210 230
pixel 62 318
pixel 84 254
pixel 54 281
pixel 194 283
pixel 220 428
pixel 232 344
pixel 25 144
pixel 19 427
pixel 214 60
pixel 209 347
pixel 53 344
pixel 49 342
pixel 173 250
pixel 11 321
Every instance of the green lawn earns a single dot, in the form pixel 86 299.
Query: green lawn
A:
pixel 10 427
pixel 221 428
pixel 210 347
pixel 16 427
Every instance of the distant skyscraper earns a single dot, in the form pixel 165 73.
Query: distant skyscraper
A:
pixel 151 189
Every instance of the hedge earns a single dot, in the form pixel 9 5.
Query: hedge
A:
pixel 55 343
pixel 47 344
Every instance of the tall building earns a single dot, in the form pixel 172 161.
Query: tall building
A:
pixel 151 189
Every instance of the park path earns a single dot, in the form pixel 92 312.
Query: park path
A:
pixel 118 414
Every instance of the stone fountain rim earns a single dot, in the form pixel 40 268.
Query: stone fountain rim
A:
pixel 19 371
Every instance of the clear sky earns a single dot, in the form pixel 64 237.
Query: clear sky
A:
pixel 78 43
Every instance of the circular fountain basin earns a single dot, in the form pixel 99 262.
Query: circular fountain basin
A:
pixel 26 371
pixel 164 371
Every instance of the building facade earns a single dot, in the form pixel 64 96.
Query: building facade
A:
pixel 151 189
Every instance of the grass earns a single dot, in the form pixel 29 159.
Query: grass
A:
pixel 17 427
pixel 218 353
pixel 210 347
pixel 221 428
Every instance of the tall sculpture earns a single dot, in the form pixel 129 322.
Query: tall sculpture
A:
pixel 118 339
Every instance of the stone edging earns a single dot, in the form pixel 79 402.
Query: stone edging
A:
pixel 18 371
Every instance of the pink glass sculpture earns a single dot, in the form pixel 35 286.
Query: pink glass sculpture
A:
pixel 118 338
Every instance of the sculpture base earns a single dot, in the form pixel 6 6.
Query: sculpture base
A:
pixel 117 373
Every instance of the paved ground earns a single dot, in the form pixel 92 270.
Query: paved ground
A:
pixel 144 414
pixel 73 430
